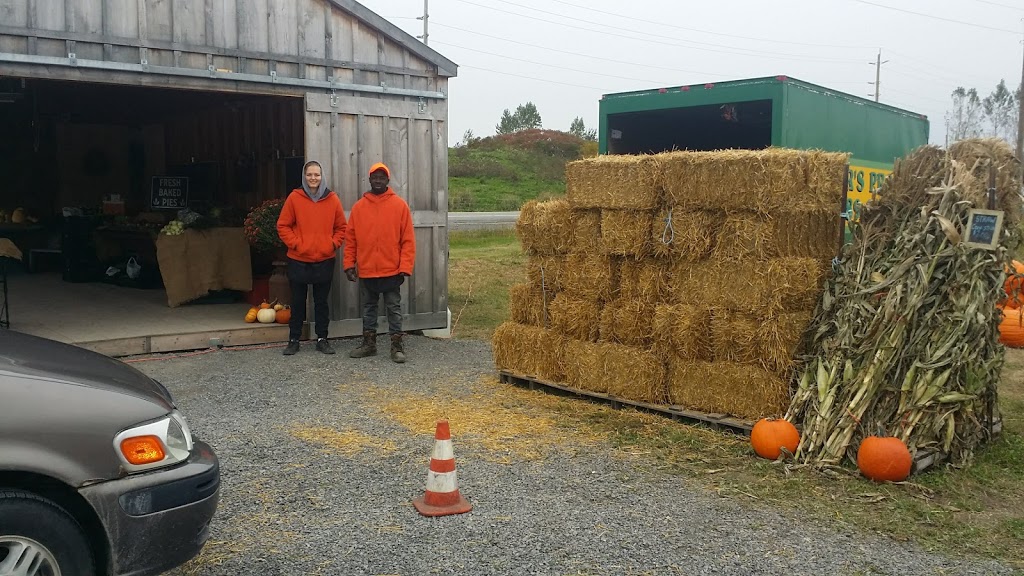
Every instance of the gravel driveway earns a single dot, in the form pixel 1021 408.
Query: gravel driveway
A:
pixel 321 457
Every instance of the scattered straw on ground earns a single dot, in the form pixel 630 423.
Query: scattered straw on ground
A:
pixel 348 442
pixel 510 424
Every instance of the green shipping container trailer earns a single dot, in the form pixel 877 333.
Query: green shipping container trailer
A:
pixel 762 112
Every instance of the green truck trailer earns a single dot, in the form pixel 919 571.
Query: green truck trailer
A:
pixel 761 112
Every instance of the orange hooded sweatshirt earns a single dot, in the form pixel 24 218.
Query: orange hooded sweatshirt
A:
pixel 312 230
pixel 380 241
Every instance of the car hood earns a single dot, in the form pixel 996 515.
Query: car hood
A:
pixel 34 357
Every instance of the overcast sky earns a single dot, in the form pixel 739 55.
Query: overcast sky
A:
pixel 563 54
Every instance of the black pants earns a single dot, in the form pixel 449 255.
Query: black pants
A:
pixel 300 276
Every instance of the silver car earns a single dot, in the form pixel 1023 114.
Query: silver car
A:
pixel 99 472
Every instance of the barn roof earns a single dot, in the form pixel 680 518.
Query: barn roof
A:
pixel 445 67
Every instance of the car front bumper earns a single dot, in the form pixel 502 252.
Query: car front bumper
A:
pixel 161 519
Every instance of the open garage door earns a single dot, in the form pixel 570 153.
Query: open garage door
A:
pixel 349 134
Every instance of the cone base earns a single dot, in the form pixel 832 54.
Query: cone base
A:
pixel 460 507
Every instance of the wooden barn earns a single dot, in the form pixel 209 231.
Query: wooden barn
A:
pixel 120 116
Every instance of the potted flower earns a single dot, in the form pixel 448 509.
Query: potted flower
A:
pixel 261 228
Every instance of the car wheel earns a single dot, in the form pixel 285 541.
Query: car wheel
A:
pixel 38 538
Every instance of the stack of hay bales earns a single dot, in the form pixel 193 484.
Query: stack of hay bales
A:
pixel 684 278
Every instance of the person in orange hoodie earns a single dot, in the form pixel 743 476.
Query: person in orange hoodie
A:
pixel 312 226
pixel 380 249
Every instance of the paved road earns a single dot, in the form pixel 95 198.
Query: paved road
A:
pixel 459 221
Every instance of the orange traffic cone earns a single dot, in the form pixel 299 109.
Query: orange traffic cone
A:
pixel 442 496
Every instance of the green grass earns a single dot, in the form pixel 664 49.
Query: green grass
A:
pixel 502 179
pixel 976 511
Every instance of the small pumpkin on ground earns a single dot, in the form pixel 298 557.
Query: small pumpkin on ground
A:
pixel 266 316
pixel 283 315
pixel 884 459
pixel 265 305
pixel 250 316
pixel 769 436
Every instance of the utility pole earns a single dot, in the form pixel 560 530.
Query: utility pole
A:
pixel 878 73
pixel 425 17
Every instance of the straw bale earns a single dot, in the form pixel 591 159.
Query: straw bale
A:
pixel 614 182
pixel 735 336
pixel 626 232
pixel 787 179
pixel 722 180
pixel 781 338
pixel 793 283
pixel 681 234
pixel 826 173
pixel 682 331
pixel 546 273
pixel 738 286
pixel 634 373
pixel 725 388
pixel 583 366
pixel 806 233
pixel 646 281
pixel 977 155
pixel 586 230
pixel 590 276
pixel 684 177
pixel 529 350
pixel 527 305
pixel 544 227
pixel 575 318
pixel 745 235
pixel 628 322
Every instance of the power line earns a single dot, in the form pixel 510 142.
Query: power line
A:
pixel 546 64
pixel 1000 5
pixel 937 17
pixel 689 45
pixel 533 78
pixel 709 32
pixel 653 67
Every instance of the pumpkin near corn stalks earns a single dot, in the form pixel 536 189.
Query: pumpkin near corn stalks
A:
pixel 770 436
pixel 884 459
pixel 1011 328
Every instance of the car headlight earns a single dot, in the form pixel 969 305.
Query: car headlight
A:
pixel 164 442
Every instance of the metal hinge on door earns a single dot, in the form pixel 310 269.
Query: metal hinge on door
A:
pixel 422 105
pixel 334 92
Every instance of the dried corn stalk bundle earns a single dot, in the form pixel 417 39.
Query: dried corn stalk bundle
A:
pixel 544 227
pixel 905 338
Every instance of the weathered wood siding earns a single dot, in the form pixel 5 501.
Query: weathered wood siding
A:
pixel 350 134
pixel 286 39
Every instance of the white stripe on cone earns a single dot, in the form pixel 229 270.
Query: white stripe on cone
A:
pixel 442 482
pixel 443 450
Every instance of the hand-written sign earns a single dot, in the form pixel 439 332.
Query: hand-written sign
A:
pixel 984 228
pixel 169 193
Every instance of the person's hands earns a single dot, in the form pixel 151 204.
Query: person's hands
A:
pixel 351 274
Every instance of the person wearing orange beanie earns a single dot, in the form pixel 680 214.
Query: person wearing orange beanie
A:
pixel 312 226
pixel 380 250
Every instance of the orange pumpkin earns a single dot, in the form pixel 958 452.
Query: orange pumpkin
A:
pixel 1011 329
pixel 1014 286
pixel 769 436
pixel 283 315
pixel 884 459
pixel 250 316
pixel 265 305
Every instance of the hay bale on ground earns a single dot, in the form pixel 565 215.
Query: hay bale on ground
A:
pixel 544 227
pixel 806 233
pixel 793 283
pixel 681 234
pixel 755 286
pixel 745 235
pixel 546 273
pixel 614 182
pixel 735 337
pixel 648 281
pixel 575 317
pixel 724 388
pixel 723 180
pixel 634 373
pixel 586 230
pixel 590 276
pixel 583 366
pixel 683 332
pixel 628 322
pixel 626 232
pixel 826 173
pixel 781 339
pixel 787 179
pixel 529 350
pixel 527 305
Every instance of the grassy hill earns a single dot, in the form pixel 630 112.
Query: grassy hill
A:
pixel 500 173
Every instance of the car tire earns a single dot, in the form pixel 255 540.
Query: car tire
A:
pixel 27 516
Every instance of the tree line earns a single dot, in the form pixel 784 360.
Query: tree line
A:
pixel 973 116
